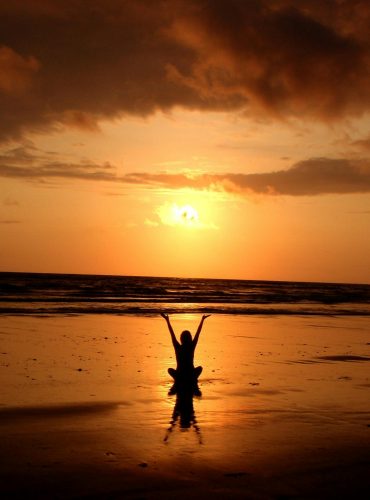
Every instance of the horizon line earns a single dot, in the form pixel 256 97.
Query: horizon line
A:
pixel 186 278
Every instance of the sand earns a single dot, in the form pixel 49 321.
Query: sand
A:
pixel 85 410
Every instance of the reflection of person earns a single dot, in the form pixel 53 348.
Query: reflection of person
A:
pixel 183 414
pixel 185 371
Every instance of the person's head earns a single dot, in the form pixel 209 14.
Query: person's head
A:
pixel 186 337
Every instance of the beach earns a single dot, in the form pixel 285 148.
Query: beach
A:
pixel 85 410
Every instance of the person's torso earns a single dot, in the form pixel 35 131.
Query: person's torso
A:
pixel 185 357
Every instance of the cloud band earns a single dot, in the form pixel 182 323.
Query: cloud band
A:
pixel 311 177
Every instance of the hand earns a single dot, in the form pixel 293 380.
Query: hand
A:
pixel 205 316
pixel 165 316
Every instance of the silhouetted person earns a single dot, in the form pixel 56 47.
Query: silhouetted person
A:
pixel 185 374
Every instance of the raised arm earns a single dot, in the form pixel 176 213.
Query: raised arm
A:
pixel 173 336
pixel 196 336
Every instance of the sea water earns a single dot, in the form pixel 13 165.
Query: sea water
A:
pixel 45 294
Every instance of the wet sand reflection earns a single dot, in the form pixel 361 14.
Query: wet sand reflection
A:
pixel 183 413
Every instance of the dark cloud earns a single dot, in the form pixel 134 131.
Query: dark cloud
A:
pixel 74 62
pixel 280 57
pixel 28 162
pixel 9 221
pixel 362 143
pixel 306 178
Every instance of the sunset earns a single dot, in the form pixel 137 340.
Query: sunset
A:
pixel 166 160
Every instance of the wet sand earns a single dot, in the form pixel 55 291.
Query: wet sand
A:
pixel 85 410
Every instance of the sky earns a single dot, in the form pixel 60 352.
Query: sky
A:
pixel 190 138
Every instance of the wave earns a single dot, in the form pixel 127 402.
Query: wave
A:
pixel 50 294
pixel 151 309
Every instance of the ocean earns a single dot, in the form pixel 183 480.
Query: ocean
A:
pixel 70 294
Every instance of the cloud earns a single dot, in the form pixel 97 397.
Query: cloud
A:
pixel 362 143
pixel 10 202
pixel 151 223
pixel 27 162
pixel 16 72
pixel 280 57
pixel 63 63
pixel 307 178
pixel 10 221
pixel 313 177
pixel 316 176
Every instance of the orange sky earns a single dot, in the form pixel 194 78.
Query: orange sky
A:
pixel 251 115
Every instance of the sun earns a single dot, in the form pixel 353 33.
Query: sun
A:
pixel 185 215
pixel 179 215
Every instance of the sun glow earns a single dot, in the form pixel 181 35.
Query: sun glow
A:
pixel 185 215
pixel 179 215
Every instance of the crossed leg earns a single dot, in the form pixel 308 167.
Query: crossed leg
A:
pixel 196 372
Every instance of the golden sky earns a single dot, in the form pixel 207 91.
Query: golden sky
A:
pixel 203 138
